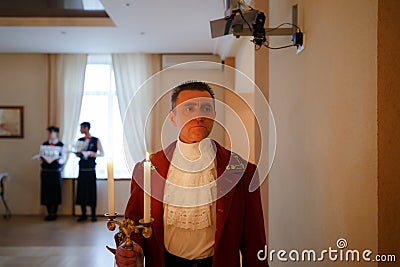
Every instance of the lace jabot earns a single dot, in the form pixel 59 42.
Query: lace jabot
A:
pixel 190 188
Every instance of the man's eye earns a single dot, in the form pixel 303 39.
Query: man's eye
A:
pixel 189 108
pixel 207 109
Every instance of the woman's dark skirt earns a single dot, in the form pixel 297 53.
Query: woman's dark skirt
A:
pixel 50 187
pixel 86 190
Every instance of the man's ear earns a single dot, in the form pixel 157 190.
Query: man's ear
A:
pixel 172 118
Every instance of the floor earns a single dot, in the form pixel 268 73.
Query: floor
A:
pixel 31 241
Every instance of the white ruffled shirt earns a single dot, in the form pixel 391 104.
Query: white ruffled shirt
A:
pixel 189 201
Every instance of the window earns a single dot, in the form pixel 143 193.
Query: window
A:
pixel 100 108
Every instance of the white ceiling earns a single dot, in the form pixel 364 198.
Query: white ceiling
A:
pixel 147 26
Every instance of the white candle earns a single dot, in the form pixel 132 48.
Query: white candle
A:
pixel 110 181
pixel 146 188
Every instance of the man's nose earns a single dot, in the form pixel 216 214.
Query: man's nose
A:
pixel 197 118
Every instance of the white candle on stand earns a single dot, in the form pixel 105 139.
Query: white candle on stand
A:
pixel 146 188
pixel 110 181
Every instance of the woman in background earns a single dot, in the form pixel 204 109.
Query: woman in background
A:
pixel 52 156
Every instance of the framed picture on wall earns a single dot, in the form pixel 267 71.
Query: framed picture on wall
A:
pixel 11 122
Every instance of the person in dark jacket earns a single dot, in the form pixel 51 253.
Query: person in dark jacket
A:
pixel 52 157
pixel 86 190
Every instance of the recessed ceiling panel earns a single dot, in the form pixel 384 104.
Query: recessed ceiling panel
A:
pixel 53 13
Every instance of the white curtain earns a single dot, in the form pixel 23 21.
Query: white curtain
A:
pixel 67 76
pixel 130 71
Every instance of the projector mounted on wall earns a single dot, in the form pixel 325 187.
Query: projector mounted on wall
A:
pixel 247 21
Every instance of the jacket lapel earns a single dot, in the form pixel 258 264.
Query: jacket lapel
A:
pixel 224 200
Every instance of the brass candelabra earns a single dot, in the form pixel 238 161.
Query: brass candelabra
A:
pixel 128 227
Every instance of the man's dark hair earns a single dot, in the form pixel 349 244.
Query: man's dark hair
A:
pixel 190 85
pixel 86 124
pixel 53 129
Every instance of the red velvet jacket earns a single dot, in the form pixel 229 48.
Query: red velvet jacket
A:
pixel 240 223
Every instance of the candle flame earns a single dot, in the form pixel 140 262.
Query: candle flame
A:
pixel 147 156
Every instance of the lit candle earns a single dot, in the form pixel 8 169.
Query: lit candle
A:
pixel 110 181
pixel 146 187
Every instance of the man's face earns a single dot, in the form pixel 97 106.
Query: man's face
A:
pixel 84 129
pixel 52 135
pixel 194 114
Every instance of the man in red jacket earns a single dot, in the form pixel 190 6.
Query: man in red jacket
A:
pixel 204 214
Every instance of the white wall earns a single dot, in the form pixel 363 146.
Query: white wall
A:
pixel 24 82
pixel 122 193
pixel 244 64
pixel 323 183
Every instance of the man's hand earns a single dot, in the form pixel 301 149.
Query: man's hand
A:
pixel 126 257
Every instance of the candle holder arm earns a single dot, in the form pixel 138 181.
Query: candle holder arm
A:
pixel 127 227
